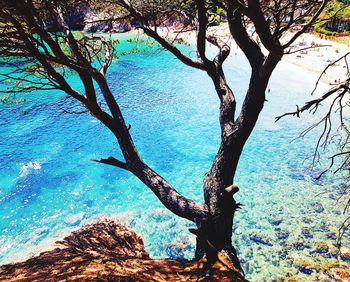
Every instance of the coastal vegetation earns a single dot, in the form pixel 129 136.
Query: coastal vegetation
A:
pixel 54 53
pixel 335 20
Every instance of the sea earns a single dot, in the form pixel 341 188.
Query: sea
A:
pixel 50 185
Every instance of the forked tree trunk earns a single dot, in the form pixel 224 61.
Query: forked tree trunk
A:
pixel 214 218
pixel 215 234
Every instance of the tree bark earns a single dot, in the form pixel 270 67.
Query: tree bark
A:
pixel 216 231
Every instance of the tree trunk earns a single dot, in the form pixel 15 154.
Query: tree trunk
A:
pixel 215 234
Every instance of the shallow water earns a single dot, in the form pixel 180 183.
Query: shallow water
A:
pixel 48 183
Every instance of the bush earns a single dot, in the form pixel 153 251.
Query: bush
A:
pixel 320 29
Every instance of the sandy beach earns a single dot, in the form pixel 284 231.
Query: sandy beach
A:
pixel 309 52
pixel 320 54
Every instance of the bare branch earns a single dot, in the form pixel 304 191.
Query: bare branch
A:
pixel 307 25
pixel 113 162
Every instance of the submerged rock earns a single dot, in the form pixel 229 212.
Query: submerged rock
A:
pixel 317 207
pixel 275 221
pixel 321 248
pixel 345 253
pixel 109 251
pixel 323 227
pixel 306 270
pixel 75 219
pixel 260 239
pixel 283 253
pixel 282 234
pixel 300 246
pixel 306 233
pixel 178 250
pixel 305 265
pixel 339 273
pixel 297 176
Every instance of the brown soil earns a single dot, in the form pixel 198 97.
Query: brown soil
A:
pixel 108 251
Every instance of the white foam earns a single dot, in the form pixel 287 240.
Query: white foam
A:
pixel 28 167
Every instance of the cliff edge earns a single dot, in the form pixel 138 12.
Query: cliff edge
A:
pixel 109 251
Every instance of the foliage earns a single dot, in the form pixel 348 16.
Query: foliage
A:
pixel 335 14
pixel 337 9
pixel 319 27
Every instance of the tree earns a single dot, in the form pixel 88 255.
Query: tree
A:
pixel 50 55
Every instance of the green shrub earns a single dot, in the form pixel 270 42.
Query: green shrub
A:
pixel 320 29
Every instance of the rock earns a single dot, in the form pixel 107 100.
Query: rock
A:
pixel 178 250
pixel 306 233
pixel 275 221
pixel 345 253
pixel 74 17
pixel 109 251
pixel 121 27
pixel 305 270
pixel 331 236
pixel 95 22
pixel 282 234
pixel 260 239
pixel 85 17
pixel 339 273
pixel 75 219
pixel 321 248
pixel 317 207
pixel 300 246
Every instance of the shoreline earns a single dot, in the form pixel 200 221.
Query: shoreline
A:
pixel 316 59
pixel 309 51
pixel 107 250
pixel 303 68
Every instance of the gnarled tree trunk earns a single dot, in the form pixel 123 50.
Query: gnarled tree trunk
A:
pixel 23 34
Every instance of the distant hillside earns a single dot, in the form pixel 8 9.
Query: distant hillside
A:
pixel 338 13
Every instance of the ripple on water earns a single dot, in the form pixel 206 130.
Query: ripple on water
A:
pixel 51 184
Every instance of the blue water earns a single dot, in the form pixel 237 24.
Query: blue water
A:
pixel 49 185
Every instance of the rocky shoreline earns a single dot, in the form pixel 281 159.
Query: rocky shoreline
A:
pixel 84 17
pixel 89 19
pixel 109 251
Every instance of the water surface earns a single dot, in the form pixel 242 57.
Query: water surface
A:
pixel 48 183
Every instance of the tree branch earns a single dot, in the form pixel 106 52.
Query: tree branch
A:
pixel 307 25
pixel 113 162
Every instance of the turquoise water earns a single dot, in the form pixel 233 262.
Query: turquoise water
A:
pixel 49 185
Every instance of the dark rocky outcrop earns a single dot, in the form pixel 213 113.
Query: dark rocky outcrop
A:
pixel 108 251
pixel 100 22
pixel 84 17
pixel 74 16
